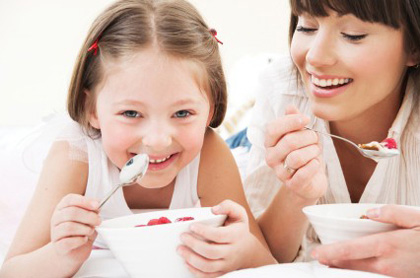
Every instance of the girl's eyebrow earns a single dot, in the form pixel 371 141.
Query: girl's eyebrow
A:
pixel 176 103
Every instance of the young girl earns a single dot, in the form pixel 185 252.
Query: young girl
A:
pixel 148 80
pixel 357 77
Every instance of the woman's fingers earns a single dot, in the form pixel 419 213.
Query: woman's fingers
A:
pixel 289 143
pixel 296 160
pixel 281 126
pixel 402 216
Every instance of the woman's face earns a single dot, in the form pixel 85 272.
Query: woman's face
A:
pixel 347 65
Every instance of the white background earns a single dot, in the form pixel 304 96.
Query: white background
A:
pixel 39 41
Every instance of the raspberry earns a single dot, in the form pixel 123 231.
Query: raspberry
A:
pixel 153 222
pixel 390 143
pixel 164 220
pixel 187 218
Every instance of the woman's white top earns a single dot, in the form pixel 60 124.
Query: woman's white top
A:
pixel 394 181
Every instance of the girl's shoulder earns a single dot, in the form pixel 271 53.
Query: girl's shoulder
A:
pixel 217 171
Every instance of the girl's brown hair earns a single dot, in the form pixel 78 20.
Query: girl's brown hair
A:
pixel 397 14
pixel 128 26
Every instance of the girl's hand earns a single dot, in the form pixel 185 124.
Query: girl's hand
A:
pixel 212 252
pixel 394 253
pixel 73 227
pixel 295 155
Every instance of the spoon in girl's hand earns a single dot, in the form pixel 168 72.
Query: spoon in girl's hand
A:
pixel 133 170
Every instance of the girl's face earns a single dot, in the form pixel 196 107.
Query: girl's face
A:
pixel 153 104
pixel 348 65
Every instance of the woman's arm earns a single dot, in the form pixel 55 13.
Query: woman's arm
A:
pixel 33 253
pixel 294 154
pixel 243 243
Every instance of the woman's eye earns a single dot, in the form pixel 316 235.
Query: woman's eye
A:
pixel 182 114
pixel 305 29
pixel 131 114
pixel 354 38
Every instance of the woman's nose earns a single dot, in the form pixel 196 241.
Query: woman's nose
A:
pixel 321 51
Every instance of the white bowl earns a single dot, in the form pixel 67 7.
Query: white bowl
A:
pixel 150 251
pixel 337 222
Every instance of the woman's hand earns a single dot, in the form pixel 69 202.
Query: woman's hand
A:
pixel 395 253
pixel 294 153
pixel 214 251
pixel 73 227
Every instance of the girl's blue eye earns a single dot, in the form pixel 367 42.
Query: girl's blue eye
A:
pixel 305 30
pixel 182 114
pixel 131 114
pixel 354 38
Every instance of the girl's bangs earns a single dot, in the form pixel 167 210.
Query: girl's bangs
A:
pixel 387 12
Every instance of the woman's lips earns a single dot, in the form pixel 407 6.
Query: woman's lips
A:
pixel 327 91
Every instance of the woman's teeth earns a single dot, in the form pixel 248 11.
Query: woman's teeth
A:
pixel 329 82
pixel 154 161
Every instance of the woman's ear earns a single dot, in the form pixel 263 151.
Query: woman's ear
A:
pixel 413 58
pixel 91 115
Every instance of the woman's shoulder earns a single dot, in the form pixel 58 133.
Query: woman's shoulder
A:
pixel 279 77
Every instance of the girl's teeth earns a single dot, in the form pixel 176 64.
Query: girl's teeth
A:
pixel 329 82
pixel 159 160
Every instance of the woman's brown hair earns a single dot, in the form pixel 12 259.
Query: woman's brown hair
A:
pixel 128 26
pixel 397 14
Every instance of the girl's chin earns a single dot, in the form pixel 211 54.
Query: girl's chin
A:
pixel 154 183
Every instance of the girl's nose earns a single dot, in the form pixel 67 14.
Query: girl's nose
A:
pixel 157 139
pixel 321 51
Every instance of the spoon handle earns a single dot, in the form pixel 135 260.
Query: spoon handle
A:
pixel 335 136
pixel 110 193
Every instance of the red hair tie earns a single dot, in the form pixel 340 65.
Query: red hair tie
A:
pixel 94 46
pixel 213 32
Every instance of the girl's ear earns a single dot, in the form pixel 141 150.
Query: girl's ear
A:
pixel 90 110
pixel 210 117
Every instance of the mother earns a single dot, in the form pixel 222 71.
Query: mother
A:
pixel 357 76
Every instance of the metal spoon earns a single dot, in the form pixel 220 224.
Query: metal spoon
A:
pixel 133 170
pixel 372 154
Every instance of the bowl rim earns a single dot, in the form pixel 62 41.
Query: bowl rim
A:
pixel 307 211
pixel 211 217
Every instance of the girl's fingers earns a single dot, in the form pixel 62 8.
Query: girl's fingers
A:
pixel 198 273
pixel 234 211
pixel 289 143
pixel 76 200
pixel 215 234
pixel 75 214
pixel 204 248
pixel 199 262
pixel 71 229
pixel 68 244
pixel 281 126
